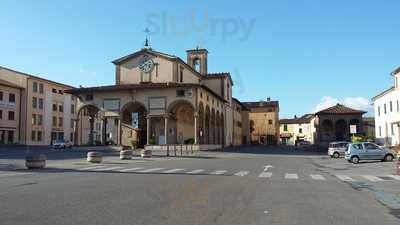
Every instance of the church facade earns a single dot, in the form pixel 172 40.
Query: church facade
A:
pixel 159 99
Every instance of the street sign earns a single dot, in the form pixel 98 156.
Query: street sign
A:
pixel 353 129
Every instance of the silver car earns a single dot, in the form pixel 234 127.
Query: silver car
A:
pixel 58 144
pixel 337 149
pixel 368 151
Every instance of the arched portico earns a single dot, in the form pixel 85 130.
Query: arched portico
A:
pixel 181 123
pixel 134 123
pixel 89 126
pixel 341 130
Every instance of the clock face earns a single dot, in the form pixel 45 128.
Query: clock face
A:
pixel 146 65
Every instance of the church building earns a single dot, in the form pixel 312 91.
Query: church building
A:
pixel 157 100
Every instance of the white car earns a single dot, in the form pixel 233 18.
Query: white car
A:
pixel 58 144
pixel 337 149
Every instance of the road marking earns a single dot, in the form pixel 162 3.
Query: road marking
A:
pixel 396 177
pixel 91 168
pixel 344 178
pixel 372 178
pixel 150 170
pixel 219 172
pixel 108 168
pixel 291 176
pixel 130 169
pixel 172 170
pixel 265 175
pixel 267 167
pixel 242 173
pixel 195 171
pixel 6 174
pixel 317 177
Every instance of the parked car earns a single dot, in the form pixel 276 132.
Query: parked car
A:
pixel 337 149
pixel 303 144
pixel 58 144
pixel 367 151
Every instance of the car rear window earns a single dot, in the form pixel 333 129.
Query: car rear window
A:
pixel 358 146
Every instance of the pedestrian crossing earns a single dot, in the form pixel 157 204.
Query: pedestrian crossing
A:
pixel 4 174
pixel 244 173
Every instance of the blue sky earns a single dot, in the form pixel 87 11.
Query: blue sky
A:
pixel 304 53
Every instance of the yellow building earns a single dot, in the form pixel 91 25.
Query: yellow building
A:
pixel 264 121
pixel 297 129
pixel 42 111
pixel 9 112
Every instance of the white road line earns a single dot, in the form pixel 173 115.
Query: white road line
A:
pixel 10 174
pixel 91 168
pixel 372 178
pixel 130 169
pixel 396 177
pixel 150 170
pixel 109 168
pixel 344 178
pixel 265 175
pixel 172 171
pixel 242 173
pixel 195 171
pixel 291 176
pixel 317 177
pixel 219 172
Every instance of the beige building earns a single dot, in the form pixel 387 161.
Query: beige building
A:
pixel 159 99
pixel 264 121
pixel 297 129
pixel 43 112
pixel 241 122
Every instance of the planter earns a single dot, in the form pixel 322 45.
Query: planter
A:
pixel 94 157
pixel 35 161
pixel 146 153
pixel 125 154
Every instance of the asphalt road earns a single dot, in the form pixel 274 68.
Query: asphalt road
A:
pixel 243 186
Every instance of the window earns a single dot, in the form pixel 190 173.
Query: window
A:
pixel 285 127
pixel 41 89
pixel 60 121
pixel 11 115
pixel 270 122
pixel 380 131
pixel 300 130
pixel 72 124
pixel 358 146
pixel 54 90
pixel 11 98
pixel 34 102
pixel 61 136
pixel 72 109
pixel 181 75
pixel 1 96
pixel 60 108
pixel 33 119
pixel 89 97
pixel 384 108
pixel 71 136
pixel 33 135
pixel 1 114
pixel 39 120
pixel 54 107
pixel 391 106
pixel 180 93
pixel 54 121
pixel 35 87
pixel 39 136
pixel 379 110
pixel 10 136
pixel 60 92
pixel 392 128
pixel 40 103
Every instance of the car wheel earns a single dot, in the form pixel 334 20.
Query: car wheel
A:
pixel 355 159
pixel 388 158
pixel 336 155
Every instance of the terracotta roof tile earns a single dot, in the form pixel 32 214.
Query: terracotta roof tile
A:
pixel 340 109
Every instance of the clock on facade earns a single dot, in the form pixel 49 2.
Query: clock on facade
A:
pixel 146 65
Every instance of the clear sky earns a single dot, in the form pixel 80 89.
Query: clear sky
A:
pixel 305 53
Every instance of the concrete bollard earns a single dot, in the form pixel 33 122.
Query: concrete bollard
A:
pixel 35 161
pixel 146 153
pixel 125 154
pixel 94 157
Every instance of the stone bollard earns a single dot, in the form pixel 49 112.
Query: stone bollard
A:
pixel 35 161
pixel 146 153
pixel 125 154
pixel 94 157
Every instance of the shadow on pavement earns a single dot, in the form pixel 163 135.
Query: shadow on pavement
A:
pixel 275 150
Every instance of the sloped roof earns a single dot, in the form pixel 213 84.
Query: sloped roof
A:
pixel 9 84
pixel 261 104
pixel 340 109
pixel 241 104
pixel 383 93
pixel 218 75
pixel 303 119
pixel 144 50
pixel 396 71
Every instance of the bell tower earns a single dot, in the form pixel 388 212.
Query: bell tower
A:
pixel 197 59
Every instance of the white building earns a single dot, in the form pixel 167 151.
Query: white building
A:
pixel 387 113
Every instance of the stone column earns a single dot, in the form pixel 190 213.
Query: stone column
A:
pixel 76 135
pixel 104 131
pixel 196 141
pixel 91 134
pixel 119 137
pixel 148 130
pixel 166 129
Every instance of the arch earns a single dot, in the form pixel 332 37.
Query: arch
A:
pixel 218 128
pixel 134 123
pixel 327 131
pixel 207 125
pixel 181 125
pixel 212 127
pixel 175 103
pixel 93 109
pixel 341 130
pixel 222 130
pixel 86 132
